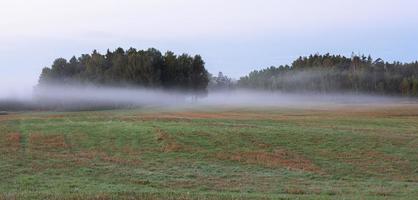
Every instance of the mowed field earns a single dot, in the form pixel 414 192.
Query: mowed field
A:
pixel 336 152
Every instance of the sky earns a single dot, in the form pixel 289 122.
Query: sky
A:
pixel 234 36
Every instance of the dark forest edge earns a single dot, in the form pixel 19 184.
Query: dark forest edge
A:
pixel 137 68
pixel 337 74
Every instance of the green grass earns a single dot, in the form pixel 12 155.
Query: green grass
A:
pixel 343 153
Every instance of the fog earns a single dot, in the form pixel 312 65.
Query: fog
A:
pixel 63 98
pixel 251 98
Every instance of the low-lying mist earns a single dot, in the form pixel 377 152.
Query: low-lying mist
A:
pixel 63 98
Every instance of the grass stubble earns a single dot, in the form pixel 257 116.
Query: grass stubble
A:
pixel 339 152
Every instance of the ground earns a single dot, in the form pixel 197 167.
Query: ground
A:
pixel 323 152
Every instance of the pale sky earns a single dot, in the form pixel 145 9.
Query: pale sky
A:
pixel 233 36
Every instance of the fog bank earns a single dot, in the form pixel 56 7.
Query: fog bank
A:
pixel 94 98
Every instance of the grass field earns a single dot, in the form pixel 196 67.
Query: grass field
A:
pixel 339 152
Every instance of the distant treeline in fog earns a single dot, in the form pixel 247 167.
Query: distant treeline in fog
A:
pixel 334 73
pixel 144 68
pixel 315 73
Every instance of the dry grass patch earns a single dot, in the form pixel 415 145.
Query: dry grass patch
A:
pixel 379 163
pixel 10 142
pixel 86 158
pixel 45 142
pixel 278 159
pixel 13 140
pixel 43 146
pixel 169 143
pixel 381 191
pixel 294 190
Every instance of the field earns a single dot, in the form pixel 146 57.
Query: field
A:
pixel 335 152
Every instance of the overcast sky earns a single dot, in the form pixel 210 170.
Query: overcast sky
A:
pixel 233 36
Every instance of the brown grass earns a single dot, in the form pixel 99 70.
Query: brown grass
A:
pixel 297 115
pixel 39 141
pixel 184 116
pixel 378 163
pixel 10 142
pixel 280 158
pixel 294 190
pixel 13 139
pixel 405 111
pixel 17 116
pixel 169 143
pixel 54 146
pixel 86 158
pixel 382 191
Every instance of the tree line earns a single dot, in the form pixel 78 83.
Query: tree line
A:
pixel 145 68
pixel 314 73
pixel 336 73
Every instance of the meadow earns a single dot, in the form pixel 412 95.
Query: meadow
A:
pixel 323 152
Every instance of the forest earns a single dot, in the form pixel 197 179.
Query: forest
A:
pixel 335 73
pixel 314 73
pixel 143 68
